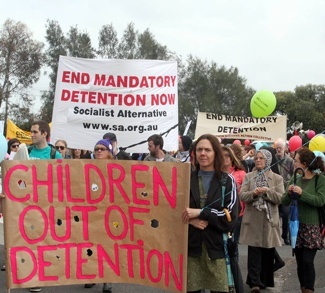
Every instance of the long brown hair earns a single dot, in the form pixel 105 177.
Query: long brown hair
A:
pixel 306 156
pixel 218 158
pixel 236 163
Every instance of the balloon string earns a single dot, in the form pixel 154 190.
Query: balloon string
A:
pixel 266 169
pixel 306 143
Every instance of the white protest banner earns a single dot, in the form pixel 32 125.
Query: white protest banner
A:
pixel 131 98
pixel 267 128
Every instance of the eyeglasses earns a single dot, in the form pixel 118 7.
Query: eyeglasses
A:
pixel 15 146
pixel 100 149
pixel 61 147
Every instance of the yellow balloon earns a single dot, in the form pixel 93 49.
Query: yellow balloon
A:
pixel 317 143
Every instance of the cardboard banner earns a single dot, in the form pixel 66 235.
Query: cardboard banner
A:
pixel 268 128
pixel 131 98
pixel 95 221
pixel 13 131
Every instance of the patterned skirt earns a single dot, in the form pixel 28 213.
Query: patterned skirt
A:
pixel 204 273
pixel 309 236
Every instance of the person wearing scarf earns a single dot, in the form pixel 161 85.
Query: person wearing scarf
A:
pixel 260 230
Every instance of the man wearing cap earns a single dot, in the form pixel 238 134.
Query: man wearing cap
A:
pixel 118 153
pixel 155 147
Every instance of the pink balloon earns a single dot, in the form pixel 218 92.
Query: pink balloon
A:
pixel 311 134
pixel 237 141
pixel 247 142
pixel 295 142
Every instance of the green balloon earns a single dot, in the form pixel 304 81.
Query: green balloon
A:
pixel 263 103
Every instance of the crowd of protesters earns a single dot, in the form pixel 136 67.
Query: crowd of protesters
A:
pixel 253 206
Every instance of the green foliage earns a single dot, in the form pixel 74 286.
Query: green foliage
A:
pixel 149 48
pixel 20 111
pixel 47 107
pixel 21 59
pixel 306 104
pixel 108 42
pixel 127 48
pixel 205 87
pixel 75 43
pixel 133 45
pixel 202 86
pixel 79 44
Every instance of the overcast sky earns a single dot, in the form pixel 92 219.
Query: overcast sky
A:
pixel 276 45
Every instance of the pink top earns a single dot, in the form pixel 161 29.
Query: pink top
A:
pixel 239 179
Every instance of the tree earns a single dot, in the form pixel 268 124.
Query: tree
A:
pixel 149 48
pixel 20 111
pixel 76 44
pixel 79 44
pixel 205 87
pixel 108 42
pixel 299 105
pixel 127 48
pixel 202 86
pixel 56 47
pixel 133 45
pixel 21 59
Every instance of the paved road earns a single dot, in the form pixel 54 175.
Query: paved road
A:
pixel 286 278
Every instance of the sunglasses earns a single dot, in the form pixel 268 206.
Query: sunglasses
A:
pixel 61 147
pixel 15 145
pixel 101 149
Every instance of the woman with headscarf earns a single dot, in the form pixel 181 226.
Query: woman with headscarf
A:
pixel 260 230
pixel 278 261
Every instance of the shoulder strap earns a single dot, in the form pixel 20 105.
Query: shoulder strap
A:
pixel 223 182
pixel 53 152
pixel 280 162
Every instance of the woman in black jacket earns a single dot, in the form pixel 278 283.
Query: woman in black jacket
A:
pixel 209 218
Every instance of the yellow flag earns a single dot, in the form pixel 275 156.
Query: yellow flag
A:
pixel 13 131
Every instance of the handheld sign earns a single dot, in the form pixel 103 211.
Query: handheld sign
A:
pixel 95 221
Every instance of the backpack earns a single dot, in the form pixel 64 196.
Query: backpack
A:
pixel 52 154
